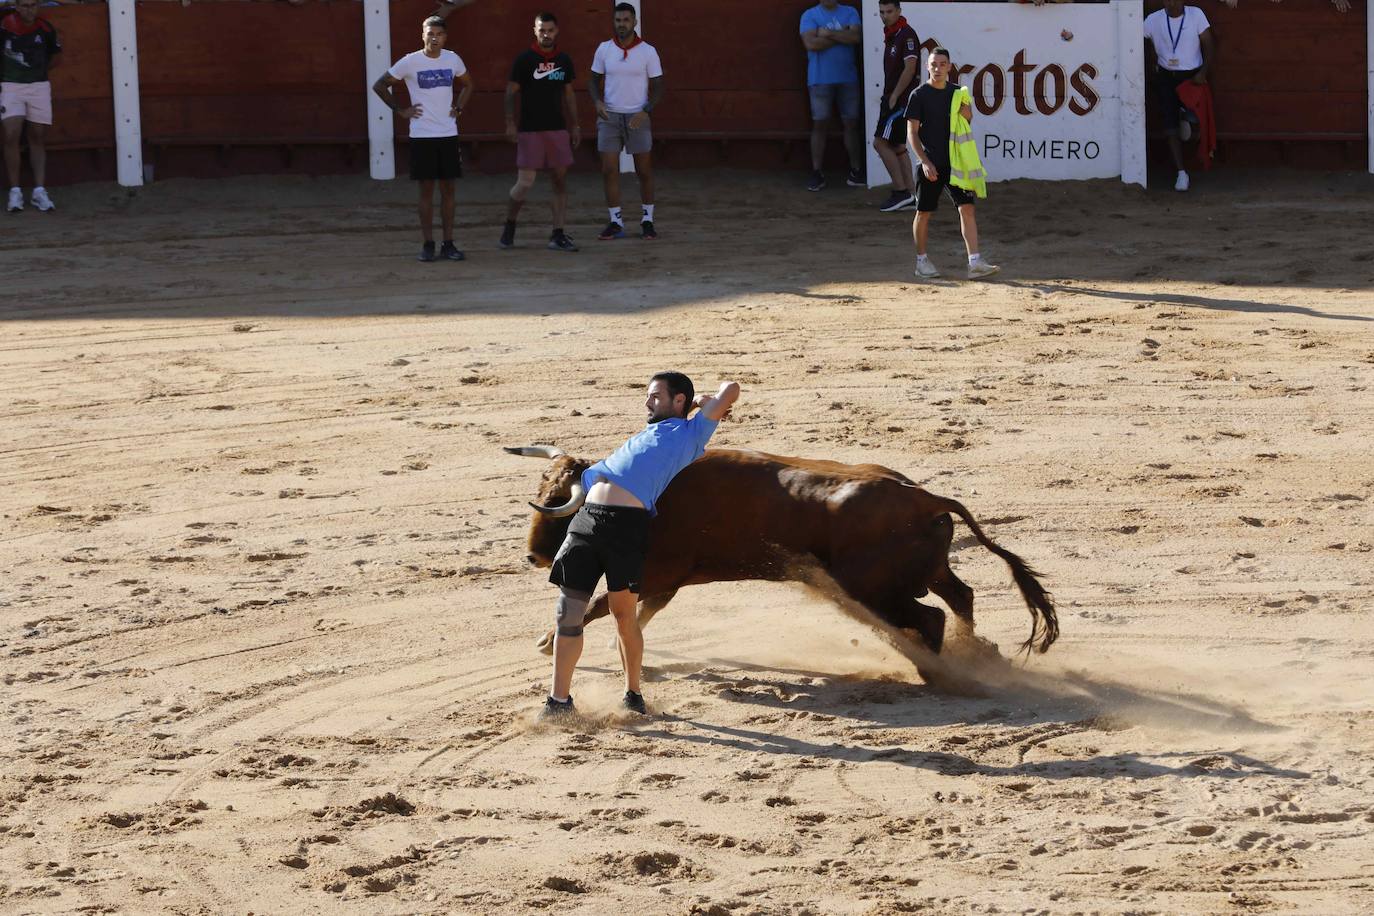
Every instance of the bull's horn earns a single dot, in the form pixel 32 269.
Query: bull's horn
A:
pixel 579 495
pixel 537 451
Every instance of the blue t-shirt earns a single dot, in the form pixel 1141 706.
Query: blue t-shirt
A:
pixel 837 64
pixel 651 458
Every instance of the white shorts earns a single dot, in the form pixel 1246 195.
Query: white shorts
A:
pixel 30 101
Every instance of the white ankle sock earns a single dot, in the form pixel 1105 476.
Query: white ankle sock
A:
pixel 615 216
pixel 648 213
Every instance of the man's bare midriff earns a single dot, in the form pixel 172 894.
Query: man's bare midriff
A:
pixel 605 493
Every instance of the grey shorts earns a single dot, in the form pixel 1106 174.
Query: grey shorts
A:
pixel 848 97
pixel 615 134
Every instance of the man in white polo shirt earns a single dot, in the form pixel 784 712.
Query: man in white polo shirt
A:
pixel 429 76
pixel 626 84
pixel 1182 41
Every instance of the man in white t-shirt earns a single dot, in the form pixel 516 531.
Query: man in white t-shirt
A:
pixel 626 84
pixel 429 76
pixel 1183 50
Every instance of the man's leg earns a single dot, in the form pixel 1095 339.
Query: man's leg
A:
pixel 560 197
pixel 38 153
pixel 426 208
pixel 567 644
pixel 854 144
pixel 644 168
pixel 818 129
pixel 623 606
pixel 920 231
pixel 610 179
pixel 895 164
pixel 524 180
pixel 14 127
pixel 446 207
pixel 968 224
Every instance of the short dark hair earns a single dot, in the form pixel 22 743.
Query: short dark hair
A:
pixel 435 22
pixel 677 384
pixel 625 8
pixel 896 3
pixel 546 17
pixel 938 50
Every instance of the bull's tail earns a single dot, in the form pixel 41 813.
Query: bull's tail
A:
pixel 1044 620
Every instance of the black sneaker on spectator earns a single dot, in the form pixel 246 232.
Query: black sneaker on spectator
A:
pixel 855 179
pixel 817 181
pixel 634 702
pixel 427 252
pixel 561 241
pixel 897 200
pixel 555 711
pixel 647 231
pixel 449 252
pixel 507 236
pixel 613 230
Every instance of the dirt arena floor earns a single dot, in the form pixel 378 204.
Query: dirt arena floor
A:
pixel 268 633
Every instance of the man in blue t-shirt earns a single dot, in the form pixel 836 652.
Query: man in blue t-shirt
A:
pixel 610 533
pixel 831 34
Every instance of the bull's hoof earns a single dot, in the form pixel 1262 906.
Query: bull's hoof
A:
pixel 545 644
pixel 954 683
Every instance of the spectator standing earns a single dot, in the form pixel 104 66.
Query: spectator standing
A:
pixel 429 75
pixel 1182 40
pixel 901 59
pixel 929 111
pixel 626 85
pixel 540 94
pixel 831 33
pixel 29 50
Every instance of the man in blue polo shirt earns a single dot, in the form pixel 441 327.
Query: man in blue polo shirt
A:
pixel 610 533
pixel 831 33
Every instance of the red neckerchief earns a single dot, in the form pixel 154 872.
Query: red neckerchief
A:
pixel 625 49
pixel 537 48
pixel 889 31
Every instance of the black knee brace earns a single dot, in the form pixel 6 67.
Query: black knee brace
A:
pixel 572 611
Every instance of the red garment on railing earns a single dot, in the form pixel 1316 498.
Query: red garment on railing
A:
pixel 1198 99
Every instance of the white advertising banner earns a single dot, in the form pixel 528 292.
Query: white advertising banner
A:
pixel 1058 90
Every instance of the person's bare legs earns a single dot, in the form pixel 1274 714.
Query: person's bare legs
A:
pixel 14 127
pixel 566 651
pixel 897 167
pixel 623 608
pixel 644 168
pixel 968 225
pixel 524 180
pixel 854 145
pixel 818 129
pixel 426 208
pixel 560 197
pixel 38 153
pixel 920 231
pixel 1175 149
pixel 610 179
pixel 446 208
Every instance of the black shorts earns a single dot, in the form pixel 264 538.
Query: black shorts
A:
pixel 1165 85
pixel 892 126
pixel 928 192
pixel 435 159
pixel 609 540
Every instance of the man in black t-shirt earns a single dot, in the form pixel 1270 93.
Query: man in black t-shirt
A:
pixel 901 60
pixel 540 89
pixel 28 50
pixel 928 117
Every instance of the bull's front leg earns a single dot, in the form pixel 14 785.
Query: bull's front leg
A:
pixel 600 607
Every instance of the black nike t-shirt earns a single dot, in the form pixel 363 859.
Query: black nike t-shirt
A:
pixel 930 106
pixel 542 83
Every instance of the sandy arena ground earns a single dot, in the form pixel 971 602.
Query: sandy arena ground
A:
pixel 268 632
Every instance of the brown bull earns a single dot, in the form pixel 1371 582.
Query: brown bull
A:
pixel 734 515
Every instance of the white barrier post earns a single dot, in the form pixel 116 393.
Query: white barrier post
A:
pixel 1130 57
pixel 871 69
pixel 124 71
pixel 627 162
pixel 377 58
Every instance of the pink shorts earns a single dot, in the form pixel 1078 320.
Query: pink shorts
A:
pixel 30 101
pixel 543 149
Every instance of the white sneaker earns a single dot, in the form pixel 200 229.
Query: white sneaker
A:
pixel 16 202
pixel 41 201
pixel 926 269
pixel 1182 183
pixel 980 269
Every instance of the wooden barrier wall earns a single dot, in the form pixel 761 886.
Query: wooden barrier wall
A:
pixel 231 87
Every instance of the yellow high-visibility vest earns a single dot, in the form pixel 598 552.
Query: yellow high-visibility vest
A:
pixel 965 168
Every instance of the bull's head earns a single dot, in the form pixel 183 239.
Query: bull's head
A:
pixel 560 496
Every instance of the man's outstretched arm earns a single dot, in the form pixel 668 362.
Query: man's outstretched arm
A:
pixel 717 405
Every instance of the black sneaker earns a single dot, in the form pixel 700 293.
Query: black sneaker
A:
pixel 613 230
pixel 634 702
pixel 508 236
pixel 449 252
pixel 897 200
pixel 647 230
pixel 817 181
pixel 560 241
pixel 426 253
pixel 855 179
pixel 555 711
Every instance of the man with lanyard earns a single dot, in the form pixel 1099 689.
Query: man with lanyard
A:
pixel 928 110
pixel 610 533
pixel 29 49
pixel 540 88
pixel 626 84
pixel 901 58
pixel 429 75
pixel 831 32
pixel 1182 40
